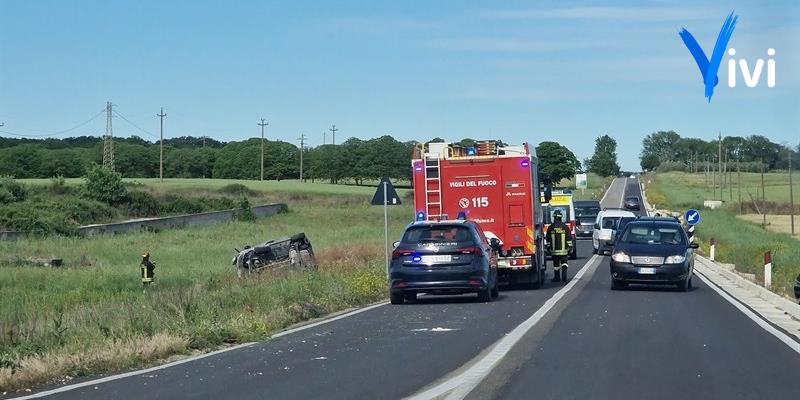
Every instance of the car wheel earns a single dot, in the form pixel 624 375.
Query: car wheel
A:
pixel 536 276
pixel 685 284
pixel 495 288
pixel 485 295
pixel 618 285
pixel 396 298
pixel 594 251
pixel 411 297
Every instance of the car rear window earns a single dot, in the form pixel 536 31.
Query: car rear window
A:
pixel 653 234
pixel 586 211
pixel 439 234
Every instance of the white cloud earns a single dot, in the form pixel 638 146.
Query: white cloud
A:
pixel 605 13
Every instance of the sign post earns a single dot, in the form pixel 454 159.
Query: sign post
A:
pixel 387 196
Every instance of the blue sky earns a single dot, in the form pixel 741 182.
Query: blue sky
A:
pixel 518 71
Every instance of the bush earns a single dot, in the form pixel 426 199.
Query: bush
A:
pixel 11 190
pixel 105 185
pixel 58 185
pixel 141 204
pixel 245 213
pixel 238 189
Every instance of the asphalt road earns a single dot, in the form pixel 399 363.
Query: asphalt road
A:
pixel 594 343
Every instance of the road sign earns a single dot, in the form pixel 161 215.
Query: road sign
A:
pixel 692 217
pixel 581 181
pixel 388 193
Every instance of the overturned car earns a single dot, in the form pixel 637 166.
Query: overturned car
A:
pixel 293 252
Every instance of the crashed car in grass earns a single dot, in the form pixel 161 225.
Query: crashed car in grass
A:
pixel 294 251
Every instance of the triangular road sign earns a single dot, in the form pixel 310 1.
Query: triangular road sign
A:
pixel 392 199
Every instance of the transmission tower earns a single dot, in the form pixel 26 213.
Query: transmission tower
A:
pixel 108 140
pixel 333 130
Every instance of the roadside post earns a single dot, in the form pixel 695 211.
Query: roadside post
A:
pixel 713 249
pixel 767 269
pixel 386 195
pixel 692 218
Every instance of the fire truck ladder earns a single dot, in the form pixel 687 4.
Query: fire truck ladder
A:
pixel 433 188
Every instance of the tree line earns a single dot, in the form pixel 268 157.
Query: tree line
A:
pixel 353 161
pixel 668 151
pixel 195 157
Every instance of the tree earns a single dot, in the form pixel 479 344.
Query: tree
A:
pixel 556 161
pixel 104 185
pixel 604 160
pixel 660 146
pixel 649 162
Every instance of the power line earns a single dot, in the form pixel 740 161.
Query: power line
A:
pixel 51 133
pixel 134 125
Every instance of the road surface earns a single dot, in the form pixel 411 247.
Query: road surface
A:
pixel 592 343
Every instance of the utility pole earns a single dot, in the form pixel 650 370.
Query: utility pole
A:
pixel 333 130
pixel 763 197
pixel 739 183
pixel 262 124
pixel 161 143
pixel 108 140
pixel 719 160
pixel 324 137
pixel 302 140
pixel 791 192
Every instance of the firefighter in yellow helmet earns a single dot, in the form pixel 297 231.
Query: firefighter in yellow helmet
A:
pixel 148 269
pixel 559 241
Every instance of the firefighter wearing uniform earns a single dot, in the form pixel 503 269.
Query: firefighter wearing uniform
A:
pixel 559 241
pixel 148 269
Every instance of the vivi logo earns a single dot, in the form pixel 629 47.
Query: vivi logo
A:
pixel 710 67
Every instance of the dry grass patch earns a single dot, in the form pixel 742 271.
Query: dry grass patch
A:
pixel 108 356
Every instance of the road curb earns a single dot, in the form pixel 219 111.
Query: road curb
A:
pixel 775 300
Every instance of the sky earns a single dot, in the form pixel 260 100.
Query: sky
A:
pixel 517 71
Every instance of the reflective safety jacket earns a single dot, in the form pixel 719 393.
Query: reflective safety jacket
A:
pixel 558 238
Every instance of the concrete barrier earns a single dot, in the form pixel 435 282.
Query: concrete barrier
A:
pixel 178 221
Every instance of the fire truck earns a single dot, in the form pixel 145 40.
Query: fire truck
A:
pixel 496 186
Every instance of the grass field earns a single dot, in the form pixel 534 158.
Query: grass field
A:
pixel 596 187
pixel 739 242
pixel 92 315
pixel 776 223
pixel 688 188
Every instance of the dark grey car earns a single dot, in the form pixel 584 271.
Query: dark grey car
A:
pixel 652 252
pixel 447 257
pixel 632 203
pixel 585 214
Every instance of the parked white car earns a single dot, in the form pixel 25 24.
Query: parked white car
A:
pixel 606 226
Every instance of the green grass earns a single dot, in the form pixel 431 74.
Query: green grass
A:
pixel 738 242
pixel 596 186
pixel 92 315
pixel 284 186
pixel 687 188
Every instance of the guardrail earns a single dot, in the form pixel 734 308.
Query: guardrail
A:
pixel 173 222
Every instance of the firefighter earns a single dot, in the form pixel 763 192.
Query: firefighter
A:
pixel 559 242
pixel 148 269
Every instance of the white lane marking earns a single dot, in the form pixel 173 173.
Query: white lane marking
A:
pixel 186 360
pixel 794 345
pixel 460 385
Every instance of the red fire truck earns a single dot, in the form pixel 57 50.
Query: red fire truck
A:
pixel 496 186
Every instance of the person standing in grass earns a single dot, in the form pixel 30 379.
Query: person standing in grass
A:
pixel 148 269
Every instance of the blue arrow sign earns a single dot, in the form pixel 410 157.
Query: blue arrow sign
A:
pixel 692 217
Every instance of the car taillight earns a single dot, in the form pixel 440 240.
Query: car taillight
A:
pixel 476 251
pixel 397 253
